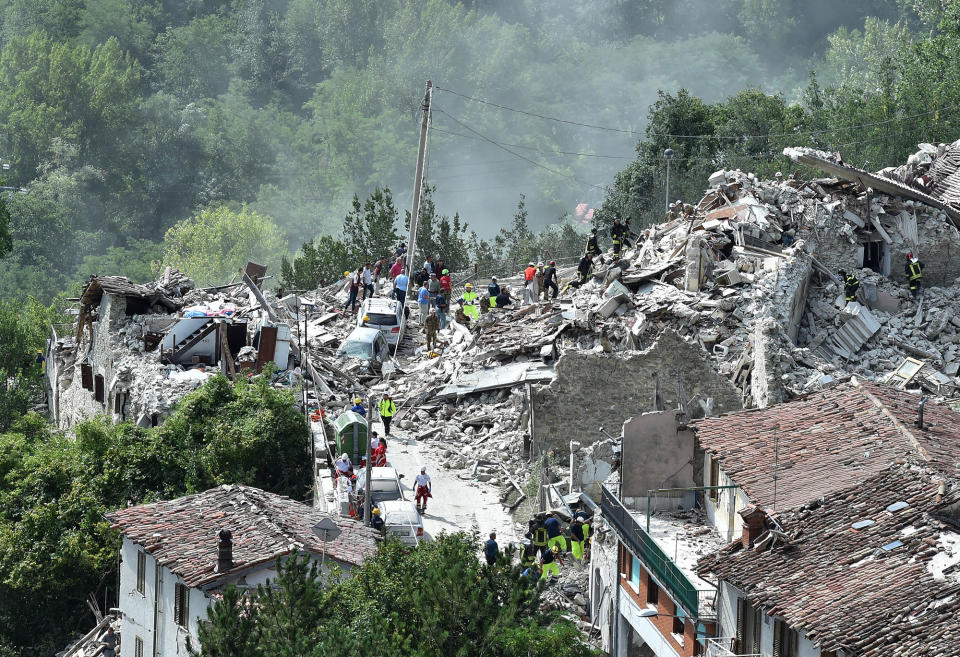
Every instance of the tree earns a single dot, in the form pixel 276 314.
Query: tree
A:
pixel 390 606
pixel 370 230
pixel 212 245
pixel 24 329
pixel 318 264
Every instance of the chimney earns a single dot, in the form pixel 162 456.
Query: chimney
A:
pixel 754 525
pixel 224 551
pixel 923 401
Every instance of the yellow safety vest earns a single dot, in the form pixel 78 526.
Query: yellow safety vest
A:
pixel 387 408
pixel 915 272
pixel 469 298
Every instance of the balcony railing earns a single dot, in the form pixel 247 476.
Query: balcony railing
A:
pixel 646 549
pixel 724 647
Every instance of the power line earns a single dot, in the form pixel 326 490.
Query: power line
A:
pixel 533 148
pixel 522 157
pixel 672 136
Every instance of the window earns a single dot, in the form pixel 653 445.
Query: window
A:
pixel 181 605
pixel 653 593
pixel 635 573
pixel 141 572
pixel 86 376
pixel 713 493
pixel 138 647
pixel 679 619
pixel 98 388
pixel 784 640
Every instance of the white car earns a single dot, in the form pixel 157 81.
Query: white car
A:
pixel 368 345
pixel 383 315
pixel 386 484
pixel 402 521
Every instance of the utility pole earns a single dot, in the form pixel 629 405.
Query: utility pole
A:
pixel 667 155
pixel 417 189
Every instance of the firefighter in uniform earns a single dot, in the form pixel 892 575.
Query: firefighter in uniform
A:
pixel 617 233
pixel 850 286
pixel 592 247
pixel 914 272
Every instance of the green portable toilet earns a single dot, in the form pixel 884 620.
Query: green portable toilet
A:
pixel 350 432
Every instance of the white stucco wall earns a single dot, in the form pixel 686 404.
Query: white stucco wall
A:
pixel 723 514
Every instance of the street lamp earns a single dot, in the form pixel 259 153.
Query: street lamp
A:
pixel 667 155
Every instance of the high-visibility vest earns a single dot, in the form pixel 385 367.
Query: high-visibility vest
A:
pixel 916 272
pixel 540 536
pixel 493 302
pixel 528 557
pixel 469 298
pixel 387 408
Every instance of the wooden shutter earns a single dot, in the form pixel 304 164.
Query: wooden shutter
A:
pixel 777 639
pixel 141 572
pixel 757 624
pixel 181 605
pixel 86 376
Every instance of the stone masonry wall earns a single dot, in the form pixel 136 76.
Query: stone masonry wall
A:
pixel 592 390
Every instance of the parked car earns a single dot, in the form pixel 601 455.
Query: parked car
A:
pixel 366 344
pixel 383 315
pixel 386 484
pixel 402 521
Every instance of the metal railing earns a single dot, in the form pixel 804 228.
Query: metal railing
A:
pixel 641 544
pixel 724 647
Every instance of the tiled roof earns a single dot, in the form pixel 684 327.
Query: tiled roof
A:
pixel 827 441
pixel 842 586
pixel 264 526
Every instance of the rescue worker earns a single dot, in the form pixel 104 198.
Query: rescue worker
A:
pixel 469 303
pixel 433 286
pixel 376 522
pixel 424 489
pixel 555 537
pixel 378 457
pixel 41 362
pixel 617 233
pixel 431 326
pixel 850 286
pixel 358 407
pixel 539 533
pixel 583 271
pixel 914 272
pixel 493 288
pixel 503 299
pixel 445 283
pixel 550 280
pixel 387 410
pixel 354 290
pixel 538 278
pixel 549 562
pixel 592 247
pixel 671 212
pixel 491 550
pixel 529 273
pixel 576 539
pixel 528 554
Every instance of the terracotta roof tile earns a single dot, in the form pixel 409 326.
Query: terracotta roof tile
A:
pixel 841 587
pixel 264 526
pixel 827 441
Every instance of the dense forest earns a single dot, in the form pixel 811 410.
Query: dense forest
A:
pixel 202 133
pixel 121 119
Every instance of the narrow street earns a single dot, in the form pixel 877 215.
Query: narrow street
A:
pixel 456 505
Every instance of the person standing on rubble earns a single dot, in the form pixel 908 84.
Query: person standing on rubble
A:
pixel 850 286
pixel 367 281
pixel 583 271
pixel 528 274
pixel 428 265
pixel 433 285
pixel 576 539
pixel 539 532
pixel 445 283
pixel 914 272
pixel 617 233
pixel 592 247
pixel 538 279
pixel 671 212
pixel 431 326
pixel 387 410
pixel 423 488
pixel 377 272
pixel 354 290
pixel 550 280
pixel 528 554
pixel 442 307
pixel 400 284
pixel 400 250
pixel 493 289
pixel 469 303
pixel 550 562
pixel 396 268
pixel 423 300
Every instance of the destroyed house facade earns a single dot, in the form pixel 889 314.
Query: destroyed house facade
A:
pixel 177 555
pixel 136 350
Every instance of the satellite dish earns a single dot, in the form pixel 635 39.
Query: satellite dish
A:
pixel 326 529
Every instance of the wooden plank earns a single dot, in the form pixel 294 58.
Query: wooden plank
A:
pixel 268 346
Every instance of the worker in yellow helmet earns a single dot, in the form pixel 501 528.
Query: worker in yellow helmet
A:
pixel 358 407
pixel 469 303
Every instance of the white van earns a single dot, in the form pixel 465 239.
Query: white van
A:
pixel 402 521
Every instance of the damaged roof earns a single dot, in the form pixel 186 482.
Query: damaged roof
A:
pixel 182 533
pixel 828 440
pixel 889 587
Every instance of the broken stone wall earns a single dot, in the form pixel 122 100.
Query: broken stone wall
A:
pixel 658 452
pixel 593 390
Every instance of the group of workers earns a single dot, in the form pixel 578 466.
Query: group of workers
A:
pixel 912 270
pixel 544 544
